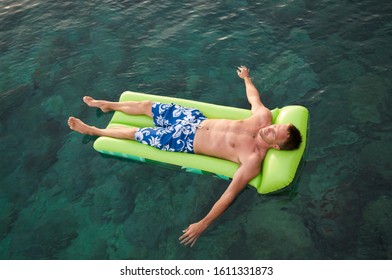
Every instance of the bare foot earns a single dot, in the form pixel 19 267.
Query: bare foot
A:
pixel 96 103
pixel 79 126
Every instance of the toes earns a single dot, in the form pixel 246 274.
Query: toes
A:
pixel 87 99
pixel 71 121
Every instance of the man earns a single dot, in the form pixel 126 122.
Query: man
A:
pixel 179 129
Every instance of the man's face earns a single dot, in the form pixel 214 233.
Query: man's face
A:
pixel 274 134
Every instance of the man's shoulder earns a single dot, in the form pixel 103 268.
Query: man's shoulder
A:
pixel 262 117
pixel 262 110
pixel 252 158
pixel 251 163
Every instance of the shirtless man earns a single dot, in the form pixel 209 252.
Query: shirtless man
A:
pixel 245 142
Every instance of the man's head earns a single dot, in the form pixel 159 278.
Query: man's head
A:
pixel 281 136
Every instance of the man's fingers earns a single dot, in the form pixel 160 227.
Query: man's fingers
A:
pixel 184 235
pixel 241 69
pixel 186 240
pixel 194 241
pixel 190 241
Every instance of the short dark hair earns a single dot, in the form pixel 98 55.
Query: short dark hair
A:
pixel 293 140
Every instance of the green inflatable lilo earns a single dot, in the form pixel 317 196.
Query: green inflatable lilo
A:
pixel 278 168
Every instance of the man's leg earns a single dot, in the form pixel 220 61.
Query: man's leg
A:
pixel 115 132
pixel 127 107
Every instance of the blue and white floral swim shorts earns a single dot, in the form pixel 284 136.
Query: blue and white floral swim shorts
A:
pixel 175 128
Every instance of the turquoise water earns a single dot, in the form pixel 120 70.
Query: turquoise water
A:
pixel 60 199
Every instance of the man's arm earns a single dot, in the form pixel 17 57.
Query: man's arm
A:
pixel 252 93
pixel 243 175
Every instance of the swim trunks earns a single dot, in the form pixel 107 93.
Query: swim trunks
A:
pixel 175 128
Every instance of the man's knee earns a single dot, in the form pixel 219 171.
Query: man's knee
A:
pixel 146 106
pixel 132 133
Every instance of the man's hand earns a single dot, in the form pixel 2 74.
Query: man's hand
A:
pixel 243 72
pixel 192 233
